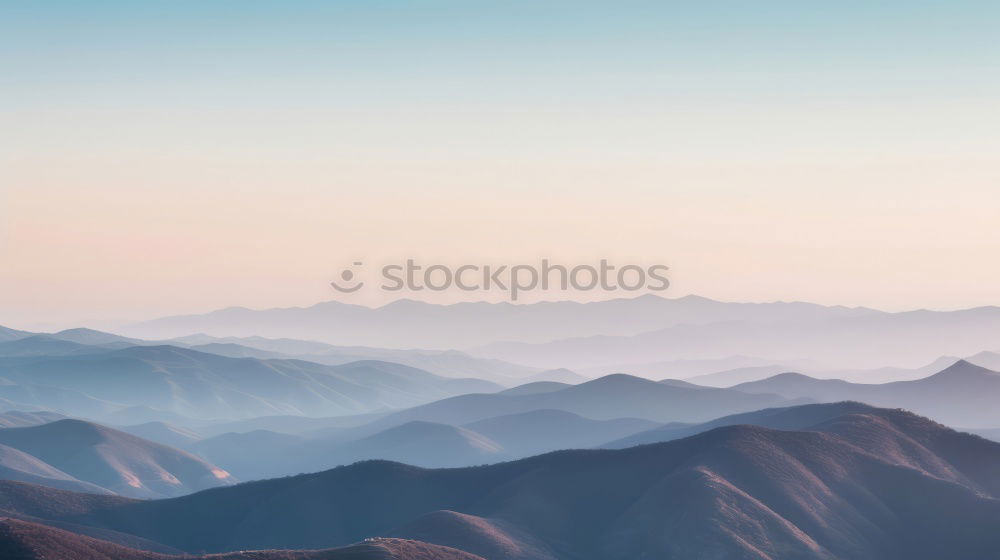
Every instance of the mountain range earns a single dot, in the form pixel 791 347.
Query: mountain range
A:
pixel 207 386
pixel 962 394
pixel 860 484
pixel 621 335
pixel 414 324
pixel 830 341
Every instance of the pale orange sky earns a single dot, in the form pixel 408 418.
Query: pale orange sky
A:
pixel 841 160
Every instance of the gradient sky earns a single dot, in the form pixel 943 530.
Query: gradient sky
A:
pixel 169 157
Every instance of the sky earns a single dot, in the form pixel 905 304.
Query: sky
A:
pixel 159 158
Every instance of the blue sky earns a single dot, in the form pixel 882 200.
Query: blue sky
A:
pixel 835 152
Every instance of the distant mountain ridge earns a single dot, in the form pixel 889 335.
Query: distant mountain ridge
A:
pixel 414 324
pixel 832 341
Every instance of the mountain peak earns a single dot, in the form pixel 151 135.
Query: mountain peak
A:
pixel 963 368
pixel 618 380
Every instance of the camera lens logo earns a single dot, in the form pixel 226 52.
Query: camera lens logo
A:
pixel 347 275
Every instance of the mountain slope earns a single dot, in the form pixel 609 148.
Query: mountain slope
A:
pixel 800 417
pixel 426 444
pixel 200 385
pixel 541 431
pixel 963 394
pixel 490 538
pixel 18 465
pixel 164 433
pixel 871 486
pixel 19 419
pixel 22 540
pixel 116 461
pixel 7 333
pixel 832 340
pixel 255 454
pixel 45 345
pixel 607 398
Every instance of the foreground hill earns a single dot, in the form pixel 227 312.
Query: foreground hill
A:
pixel 22 540
pixel 200 385
pixel 878 485
pixel 962 394
pixel 494 539
pixel 112 460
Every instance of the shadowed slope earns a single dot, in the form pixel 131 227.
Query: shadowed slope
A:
pixel 21 540
pixel 540 431
pixel 18 419
pixel 425 444
pixel 786 418
pixel 489 538
pixel 114 460
pixel 200 385
pixel 610 397
pixel 164 433
pixel 18 465
pixel 962 394
pixel 872 486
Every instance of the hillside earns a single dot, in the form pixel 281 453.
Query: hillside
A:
pixel 962 394
pixel 875 485
pixel 113 460
pixel 180 381
pixel 21 540
pixel 607 398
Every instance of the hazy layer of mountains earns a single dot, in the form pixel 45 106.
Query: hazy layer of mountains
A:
pixel 197 384
pixel 414 324
pixel 637 332
pixel 843 481
pixel 645 428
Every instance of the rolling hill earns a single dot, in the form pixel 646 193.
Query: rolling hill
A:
pixel 541 431
pixel 18 465
pixel 207 386
pixel 607 398
pixel 113 460
pixel 263 453
pixel 867 486
pixel 22 540
pixel 800 417
pixel 19 419
pixel 161 432
pixel 962 394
